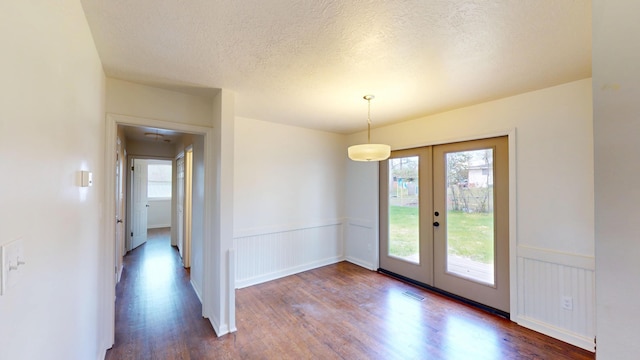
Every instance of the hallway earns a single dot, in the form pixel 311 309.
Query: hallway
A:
pixel 158 315
pixel 340 311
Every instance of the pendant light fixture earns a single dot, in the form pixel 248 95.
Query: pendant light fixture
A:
pixel 155 136
pixel 369 151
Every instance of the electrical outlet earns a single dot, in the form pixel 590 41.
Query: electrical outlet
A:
pixel 567 302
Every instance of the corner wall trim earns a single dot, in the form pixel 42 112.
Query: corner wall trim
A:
pixel 578 340
pixel 557 257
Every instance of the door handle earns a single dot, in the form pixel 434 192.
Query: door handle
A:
pixel 436 224
pixel 119 221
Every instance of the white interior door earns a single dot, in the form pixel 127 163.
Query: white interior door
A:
pixel 180 204
pixel 140 203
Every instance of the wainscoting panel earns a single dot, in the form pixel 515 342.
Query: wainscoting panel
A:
pixel 361 245
pixel 270 255
pixel 544 285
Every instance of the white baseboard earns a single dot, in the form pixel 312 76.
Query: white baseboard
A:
pixel 195 289
pixel 555 332
pixel 286 272
pixel 365 264
pixel 119 274
pixel 220 329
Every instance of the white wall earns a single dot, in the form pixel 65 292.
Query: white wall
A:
pixel 288 199
pixel 212 116
pixel 616 90
pixel 361 209
pixel 51 127
pixel 148 102
pixel 554 197
pixel 128 98
pixel 197 217
pixel 159 214
pixel 219 255
pixel 142 149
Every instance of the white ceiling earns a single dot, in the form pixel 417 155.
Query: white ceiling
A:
pixel 149 134
pixel 308 63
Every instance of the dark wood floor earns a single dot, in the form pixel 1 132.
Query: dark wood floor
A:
pixel 340 311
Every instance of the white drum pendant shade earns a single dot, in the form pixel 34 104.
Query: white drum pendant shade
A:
pixel 369 152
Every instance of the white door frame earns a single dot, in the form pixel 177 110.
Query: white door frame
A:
pixel 187 208
pixel 179 203
pixel 129 184
pixel 210 272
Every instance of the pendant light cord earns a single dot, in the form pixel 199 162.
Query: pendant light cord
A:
pixel 369 151
pixel 369 121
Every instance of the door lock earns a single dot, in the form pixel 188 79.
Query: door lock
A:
pixel 436 224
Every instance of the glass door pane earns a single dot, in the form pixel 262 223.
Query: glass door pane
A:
pixel 406 200
pixel 404 211
pixel 470 215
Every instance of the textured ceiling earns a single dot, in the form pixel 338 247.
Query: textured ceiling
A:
pixel 139 133
pixel 309 63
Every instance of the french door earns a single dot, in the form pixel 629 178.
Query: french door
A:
pixel 406 240
pixel 444 218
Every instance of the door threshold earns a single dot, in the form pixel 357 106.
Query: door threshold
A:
pixel 466 301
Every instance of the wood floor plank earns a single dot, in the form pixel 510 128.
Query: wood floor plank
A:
pixel 340 311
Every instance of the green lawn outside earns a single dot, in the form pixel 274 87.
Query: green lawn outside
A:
pixel 403 230
pixel 470 234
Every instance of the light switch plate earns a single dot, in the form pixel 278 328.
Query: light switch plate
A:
pixel 12 263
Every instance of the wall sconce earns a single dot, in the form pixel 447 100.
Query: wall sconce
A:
pixel 86 178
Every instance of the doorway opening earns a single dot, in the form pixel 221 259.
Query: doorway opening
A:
pixel 151 198
pixel 444 219
pixel 184 186
pixel 167 142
